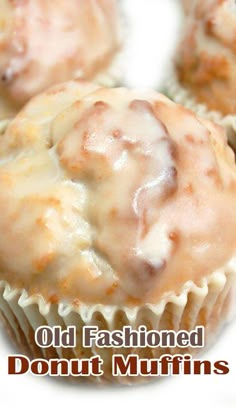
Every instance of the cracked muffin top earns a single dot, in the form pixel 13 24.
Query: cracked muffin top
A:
pixel 113 196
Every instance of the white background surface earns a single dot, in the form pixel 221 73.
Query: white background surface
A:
pixel 154 28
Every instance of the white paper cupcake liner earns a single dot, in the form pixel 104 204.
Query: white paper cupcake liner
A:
pixel 208 304
pixel 179 94
pixel 113 75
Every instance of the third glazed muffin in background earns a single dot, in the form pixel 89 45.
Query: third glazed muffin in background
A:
pixel 204 77
pixel 43 43
pixel 117 208
pixel 187 4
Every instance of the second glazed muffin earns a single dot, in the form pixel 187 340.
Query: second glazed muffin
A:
pixel 43 43
pixel 117 208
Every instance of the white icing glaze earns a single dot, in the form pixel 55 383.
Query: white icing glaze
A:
pixel 113 196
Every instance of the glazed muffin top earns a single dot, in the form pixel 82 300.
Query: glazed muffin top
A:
pixel 206 59
pixel 44 42
pixel 113 196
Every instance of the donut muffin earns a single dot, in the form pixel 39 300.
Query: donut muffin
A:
pixel 205 62
pixel 43 43
pixel 116 209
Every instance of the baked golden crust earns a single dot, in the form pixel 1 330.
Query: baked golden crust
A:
pixel 206 58
pixel 113 196
pixel 43 43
